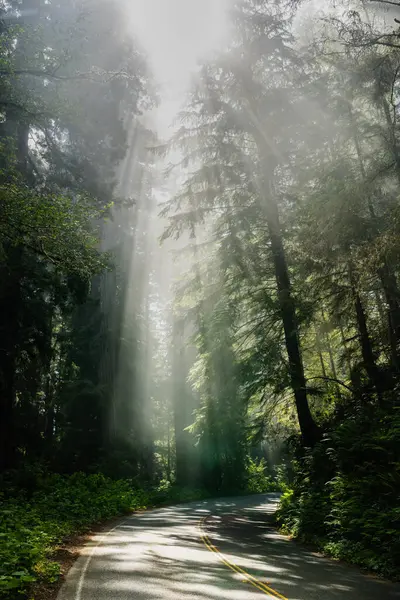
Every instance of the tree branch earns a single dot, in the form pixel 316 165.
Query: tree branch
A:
pixel 391 2
pixel 334 381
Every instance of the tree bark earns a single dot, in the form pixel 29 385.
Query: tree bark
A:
pixel 178 395
pixel 308 427
pixel 10 306
pixel 328 344
pixel 168 451
pixel 7 397
pixel 391 292
pixel 321 360
pixel 385 273
pixel 344 344
pixel 365 341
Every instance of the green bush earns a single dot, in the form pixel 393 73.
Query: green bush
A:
pixel 169 493
pixel 351 509
pixel 258 480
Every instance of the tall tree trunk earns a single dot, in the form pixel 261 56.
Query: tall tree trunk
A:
pixel 344 344
pixel 328 345
pixel 366 346
pixel 168 450
pixel 147 465
pixel 321 358
pixel 392 135
pixel 308 427
pixel 365 341
pixel 385 273
pixel 49 425
pixel 10 308
pixel 7 398
pixel 309 430
pixel 392 297
pixel 178 398
pixel 331 358
pixel 380 307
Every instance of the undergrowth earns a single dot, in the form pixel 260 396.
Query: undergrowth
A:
pixel 258 478
pixel 345 498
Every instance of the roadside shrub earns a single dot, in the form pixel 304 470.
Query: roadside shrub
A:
pixel 170 493
pixel 352 514
pixel 258 479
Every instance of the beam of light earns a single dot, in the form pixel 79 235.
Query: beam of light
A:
pixel 176 34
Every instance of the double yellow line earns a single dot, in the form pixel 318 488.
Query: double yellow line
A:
pixel 255 582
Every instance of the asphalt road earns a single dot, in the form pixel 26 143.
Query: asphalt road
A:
pixel 211 550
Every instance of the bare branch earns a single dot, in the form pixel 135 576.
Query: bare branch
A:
pixel 391 2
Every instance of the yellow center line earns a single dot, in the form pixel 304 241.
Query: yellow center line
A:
pixel 248 578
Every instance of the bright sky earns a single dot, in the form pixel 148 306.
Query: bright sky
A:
pixel 175 34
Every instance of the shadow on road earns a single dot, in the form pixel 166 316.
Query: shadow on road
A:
pixel 160 556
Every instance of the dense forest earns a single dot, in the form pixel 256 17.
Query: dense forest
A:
pixel 227 323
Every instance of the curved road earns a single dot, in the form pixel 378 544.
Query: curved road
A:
pixel 211 550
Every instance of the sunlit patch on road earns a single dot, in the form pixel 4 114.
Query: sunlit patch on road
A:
pixel 159 555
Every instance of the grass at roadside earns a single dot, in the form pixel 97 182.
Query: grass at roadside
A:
pixel 370 540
